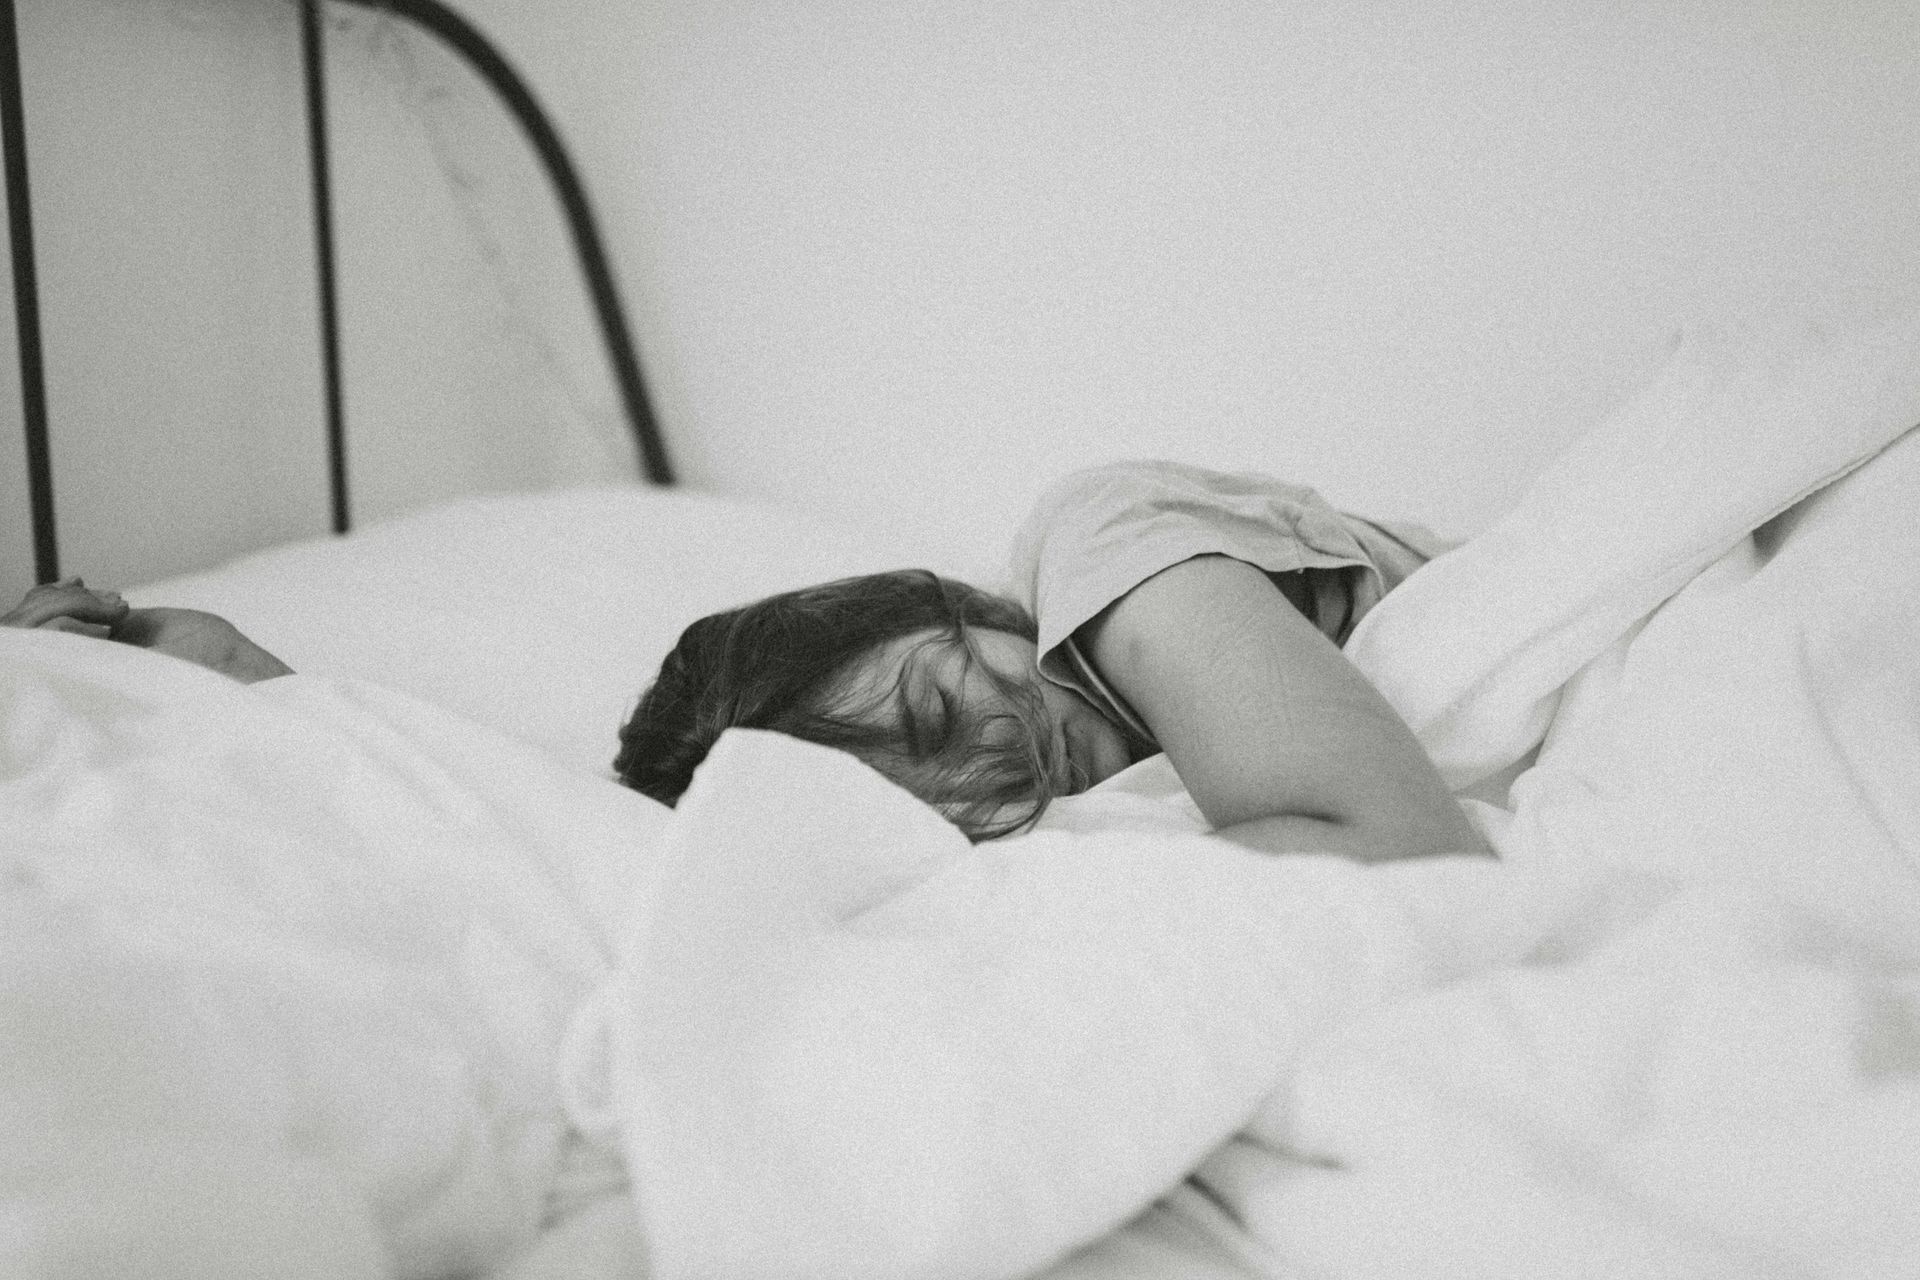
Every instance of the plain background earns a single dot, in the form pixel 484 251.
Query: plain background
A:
pixel 907 261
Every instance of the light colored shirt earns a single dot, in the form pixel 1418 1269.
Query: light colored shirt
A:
pixel 1095 535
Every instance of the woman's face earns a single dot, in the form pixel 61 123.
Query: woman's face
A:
pixel 1091 748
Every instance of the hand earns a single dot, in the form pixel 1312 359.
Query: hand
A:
pixel 67 605
pixel 1280 740
pixel 203 638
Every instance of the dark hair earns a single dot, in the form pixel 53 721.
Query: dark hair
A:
pixel 783 663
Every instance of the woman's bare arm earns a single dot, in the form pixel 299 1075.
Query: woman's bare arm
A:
pixel 201 638
pixel 1280 740
pixel 205 639
pixel 67 605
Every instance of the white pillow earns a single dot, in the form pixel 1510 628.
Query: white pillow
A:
pixel 542 615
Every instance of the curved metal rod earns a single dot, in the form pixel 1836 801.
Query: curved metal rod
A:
pixel 313 60
pixel 485 59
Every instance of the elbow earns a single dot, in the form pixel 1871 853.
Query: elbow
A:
pixel 1429 840
pixel 1435 827
pixel 1356 837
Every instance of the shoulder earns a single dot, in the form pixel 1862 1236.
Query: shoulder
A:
pixel 1125 475
pixel 1099 499
pixel 1152 479
pixel 1084 509
pixel 1118 504
pixel 1094 534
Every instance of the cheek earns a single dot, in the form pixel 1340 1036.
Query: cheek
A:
pixel 1063 707
pixel 1099 749
pixel 1111 754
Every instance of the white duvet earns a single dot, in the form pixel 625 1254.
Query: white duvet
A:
pixel 283 973
pixel 1674 1032
pixel 311 978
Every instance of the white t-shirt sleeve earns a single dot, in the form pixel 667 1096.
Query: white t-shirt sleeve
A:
pixel 1096 534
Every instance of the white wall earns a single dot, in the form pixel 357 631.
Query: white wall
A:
pixel 470 357
pixel 161 344
pixel 167 145
pixel 910 259
pixel 919 256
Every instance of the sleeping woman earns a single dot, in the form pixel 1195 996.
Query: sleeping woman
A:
pixel 1150 607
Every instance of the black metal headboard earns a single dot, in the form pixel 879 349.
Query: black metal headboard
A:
pixel 463 37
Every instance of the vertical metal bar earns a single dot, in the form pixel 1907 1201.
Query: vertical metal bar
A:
pixel 313 51
pixel 26 301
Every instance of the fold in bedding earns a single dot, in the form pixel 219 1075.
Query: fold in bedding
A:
pixel 1739 426
pixel 894 1053
pixel 1674 1032
pixel 1716 670
pixel 318 980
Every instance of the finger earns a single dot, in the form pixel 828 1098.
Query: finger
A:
pixel 94 606
pixel 69 598
pixel 99 630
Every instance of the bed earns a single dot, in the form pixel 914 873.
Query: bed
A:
pixel 371 971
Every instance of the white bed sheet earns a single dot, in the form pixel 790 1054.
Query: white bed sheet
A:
pixel 1675 1032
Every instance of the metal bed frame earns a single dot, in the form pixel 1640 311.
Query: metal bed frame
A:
pixel 483 57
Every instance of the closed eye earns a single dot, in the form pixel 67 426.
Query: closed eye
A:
pixel 926 731
pixel 940 727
